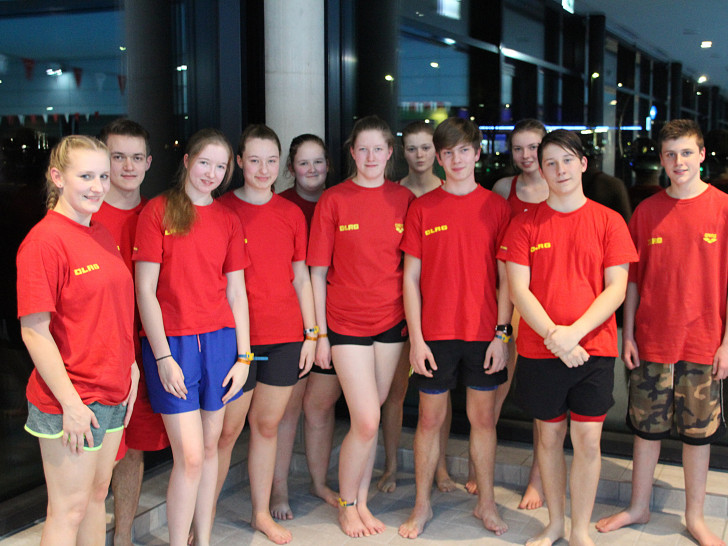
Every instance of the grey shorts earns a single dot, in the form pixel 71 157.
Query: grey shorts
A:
pixel 50 425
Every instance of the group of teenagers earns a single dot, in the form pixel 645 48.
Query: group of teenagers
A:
pixel 256 305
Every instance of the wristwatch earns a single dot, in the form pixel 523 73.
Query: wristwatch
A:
pixel 504 332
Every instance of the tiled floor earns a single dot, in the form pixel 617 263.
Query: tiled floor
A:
pixel 453 523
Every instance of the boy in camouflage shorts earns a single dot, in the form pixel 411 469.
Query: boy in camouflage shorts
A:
pixel 674 338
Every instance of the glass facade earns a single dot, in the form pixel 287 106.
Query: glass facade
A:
pixel 179 66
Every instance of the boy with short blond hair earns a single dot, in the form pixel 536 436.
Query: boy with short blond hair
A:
pixel 674 334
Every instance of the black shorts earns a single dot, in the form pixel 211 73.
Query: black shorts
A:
pixel 547 388
pixel 281 368
pixel 395 334
pixel 458 360
pixel 318 369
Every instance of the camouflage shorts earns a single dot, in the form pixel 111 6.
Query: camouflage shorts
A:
pixel 683 394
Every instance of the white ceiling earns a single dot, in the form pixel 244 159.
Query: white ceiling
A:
pixel 672 30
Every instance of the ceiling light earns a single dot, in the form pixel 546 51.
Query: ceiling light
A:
pixel 613 102
pixel 389 78
pixel 619 84
pixel 595 75
pixel 49 108
pixel 703 79
pixel 449 41
pixel 435 64
pixel 705 44
pixel 182 68
pixel 122 48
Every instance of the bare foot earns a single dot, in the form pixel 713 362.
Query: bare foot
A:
pixel 325 493
pixel 280 509
pixel 620 519
pixel 414 526
pixel 487 512
pixel 275 532
pixel 702 534
pixel 532 498
pixel 388 482
pixel 579 540
pixel 350 522
pixel 444 482
pixel 373 525
pixel 548 536
pixel 471 486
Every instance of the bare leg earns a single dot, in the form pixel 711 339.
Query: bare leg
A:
pixel 433 408
pixel 696 460
pixel 279 507
pixel 76 516
pixel 392 422
pixel 585 469
pixel 266 411
pixel 645 454
pixel 366 375
pixel 186 439
pixel 483 440
pixel 93 526
pixel 126 483
pixel 533 496
pixel 386 357
pixel 442 477
pixel 552 465
pixel 322 392
pixel 232 425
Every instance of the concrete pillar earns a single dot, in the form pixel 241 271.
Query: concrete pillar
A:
pixel 295 78
pixel 149 88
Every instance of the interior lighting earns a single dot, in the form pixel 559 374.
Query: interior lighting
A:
pixel 703 79
pixel 54 71
pixel 706 44
pixel 619 84
pixel 122 48
pixel 449 41
pixel 613 102
pixel 49 108
pixel 472 118
pixel 389 78
pixel 427 121
pixel 182 68
pixel 595 75
pixel 699 93
pixel 435 64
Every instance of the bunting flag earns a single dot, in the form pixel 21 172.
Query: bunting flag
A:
pixel 122 83
pixel 29 65
pixel 77 75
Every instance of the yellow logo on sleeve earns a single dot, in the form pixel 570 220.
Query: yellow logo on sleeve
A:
pixel 710 237
pixel 654 241
pixel 399 227
pixel 540 246
pixel 437 229
pixel 348 227
pixel 87 269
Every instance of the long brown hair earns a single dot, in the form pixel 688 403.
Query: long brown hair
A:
pixel 179 212
pixel 61 157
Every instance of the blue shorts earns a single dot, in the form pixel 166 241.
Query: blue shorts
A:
pixel 50 425
pixel 205 360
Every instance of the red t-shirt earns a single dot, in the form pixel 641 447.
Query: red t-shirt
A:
pixel 567 254
pixel 275 234
pixel 682 276
pixel 517 205
pixel 192 281
pixel 457 237
pixel 122 226
pixel 76 273
pixel 307 207
pixel 356 233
